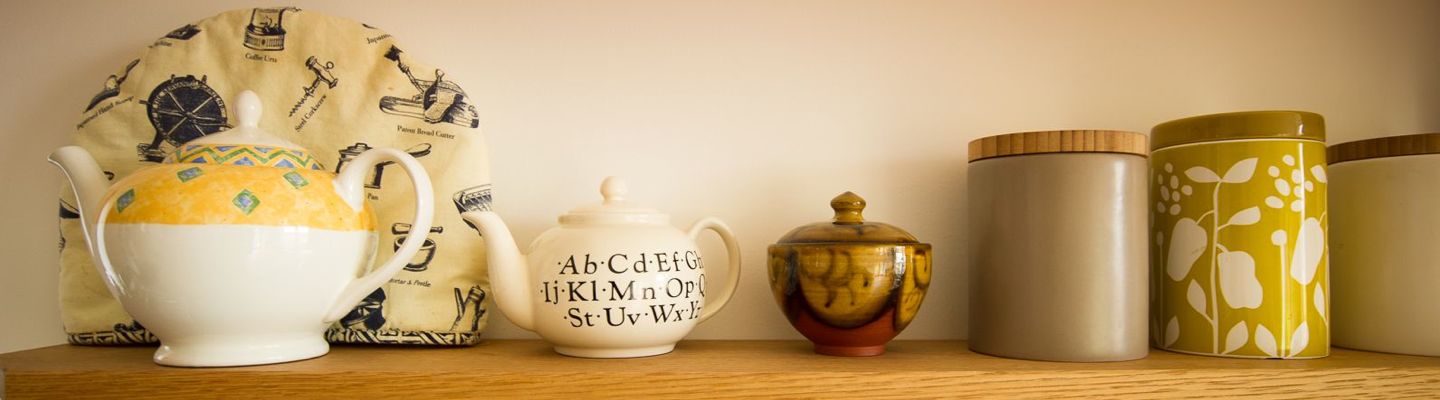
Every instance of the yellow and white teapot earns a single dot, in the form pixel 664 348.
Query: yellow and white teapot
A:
pixel 239 249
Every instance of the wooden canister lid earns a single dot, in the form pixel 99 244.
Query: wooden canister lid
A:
pixel 1392 146
pixel 1075 141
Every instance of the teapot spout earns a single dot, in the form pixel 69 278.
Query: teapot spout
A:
pixel 89 183
pixel 509 272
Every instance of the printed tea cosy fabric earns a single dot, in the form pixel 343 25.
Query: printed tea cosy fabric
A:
pixel 336 87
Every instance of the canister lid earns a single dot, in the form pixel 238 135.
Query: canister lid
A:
pixel 1239 125
pixel 849 226
pixel 1392 146
pixel 1072 141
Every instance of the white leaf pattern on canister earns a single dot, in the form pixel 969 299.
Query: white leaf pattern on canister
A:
pixel 1265 340
pixel 1172 331
pixel 1196 296
pixel 1202 175
pixel 1238 283
pixel 1187 243
pixel 1237 337
pixel 1319 173
pixel 1247 216
pixel 1241 171
pixel 1300 339
pixel 1309 246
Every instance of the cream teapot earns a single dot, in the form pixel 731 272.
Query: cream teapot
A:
pixel 612 281
pixel 239 248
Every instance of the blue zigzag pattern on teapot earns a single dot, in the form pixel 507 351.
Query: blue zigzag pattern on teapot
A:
pixel 245 155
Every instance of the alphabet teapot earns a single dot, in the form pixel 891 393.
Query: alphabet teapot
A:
pixel 239 249
pixel 612 281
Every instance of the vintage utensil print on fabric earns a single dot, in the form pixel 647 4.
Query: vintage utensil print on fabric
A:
pixel 337 87
pixel 1239 248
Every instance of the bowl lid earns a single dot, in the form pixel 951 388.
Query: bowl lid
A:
pixel 1239 125
pixel 1390 146
pixel 1067 141
pixel 616 208
pixel 849 226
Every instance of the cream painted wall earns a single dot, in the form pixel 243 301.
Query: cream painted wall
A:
pixel 759 111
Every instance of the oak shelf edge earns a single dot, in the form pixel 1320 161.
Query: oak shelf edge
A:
pixel 528 368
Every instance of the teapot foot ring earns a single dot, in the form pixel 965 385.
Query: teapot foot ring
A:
pixel 850 351
pixel 230 352
pixel 633 352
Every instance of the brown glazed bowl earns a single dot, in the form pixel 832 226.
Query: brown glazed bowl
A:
pixel 849 285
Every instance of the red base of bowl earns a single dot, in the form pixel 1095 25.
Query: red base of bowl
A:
pixel 850 351
pixel 862 341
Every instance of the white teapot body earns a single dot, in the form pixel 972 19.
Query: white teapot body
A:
pixel 607 284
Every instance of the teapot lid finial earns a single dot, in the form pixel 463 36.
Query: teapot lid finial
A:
pixel 248 109
pixel 614 189
pixel 615 209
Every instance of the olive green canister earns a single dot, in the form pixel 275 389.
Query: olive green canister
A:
pixel 1238 249
pixel 1057 245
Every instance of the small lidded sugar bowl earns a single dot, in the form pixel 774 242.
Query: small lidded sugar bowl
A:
pixel 849 285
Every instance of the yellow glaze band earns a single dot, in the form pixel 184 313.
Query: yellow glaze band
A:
pixel 200 194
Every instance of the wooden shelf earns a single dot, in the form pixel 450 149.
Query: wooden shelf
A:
pixel 697 369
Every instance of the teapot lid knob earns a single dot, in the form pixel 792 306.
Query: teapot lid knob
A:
pixel 616 209
pixel 613 189
pixel 248 109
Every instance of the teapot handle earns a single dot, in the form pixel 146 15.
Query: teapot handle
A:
pixel 732 248
pixel 351 186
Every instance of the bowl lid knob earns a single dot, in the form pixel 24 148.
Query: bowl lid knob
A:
pixel 848 207
pixel 848 227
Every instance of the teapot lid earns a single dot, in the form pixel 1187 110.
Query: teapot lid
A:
pixel 246 144
pixel 616 209
pixel 848 226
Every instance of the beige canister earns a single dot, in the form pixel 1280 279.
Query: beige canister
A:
pixel 1385 244
pixel 1058 263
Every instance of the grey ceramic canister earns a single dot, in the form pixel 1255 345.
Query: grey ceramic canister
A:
pixel 1057 237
